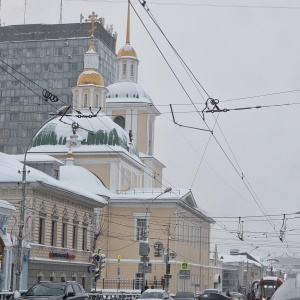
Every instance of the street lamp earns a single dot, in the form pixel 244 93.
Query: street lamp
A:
pixel 248 266
pixel 60 112
pixel 144 244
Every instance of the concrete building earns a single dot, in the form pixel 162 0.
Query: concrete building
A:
pixel 39 56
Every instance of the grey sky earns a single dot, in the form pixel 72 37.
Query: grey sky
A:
pixel 235 49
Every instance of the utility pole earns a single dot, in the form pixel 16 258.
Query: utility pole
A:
pixel 168 266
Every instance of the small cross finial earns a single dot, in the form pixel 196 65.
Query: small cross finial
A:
pixel 93 18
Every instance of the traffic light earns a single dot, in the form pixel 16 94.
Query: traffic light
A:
pixel 96 273
pixel 102 261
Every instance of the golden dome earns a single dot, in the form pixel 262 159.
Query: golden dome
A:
pixel 127 50
pixel 90 76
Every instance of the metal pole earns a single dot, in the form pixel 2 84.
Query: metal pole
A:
pixel 167 259
pixel 22 213
pixel 146 235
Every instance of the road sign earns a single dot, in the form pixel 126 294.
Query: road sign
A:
pixel 172 254
pixel 158 246
pixel 119 259
pixel 148 267
pixel 184 266
pixel 168 276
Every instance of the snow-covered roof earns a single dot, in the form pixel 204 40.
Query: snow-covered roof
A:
pixel 37 158
pixel 127 91
pixel 83 178
pixel 96 135
pixel 230 259
pixel 9 172
pixel 6 208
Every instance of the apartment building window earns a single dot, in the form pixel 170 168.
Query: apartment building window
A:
pixel 84 238
pixel 41 230
pixel 53 232
pixel 75 236
pixel 58 51
pixel 64 234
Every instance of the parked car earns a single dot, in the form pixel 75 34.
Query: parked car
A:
pixel 184 296
pixel 56 291
pixel 155 294
pixel 237 296
pixel 212 295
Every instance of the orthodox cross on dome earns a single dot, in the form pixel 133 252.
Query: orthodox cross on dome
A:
pixel 92 19
pixel 128 25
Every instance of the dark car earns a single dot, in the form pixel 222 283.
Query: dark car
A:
pixel 184 296
pixel 70 290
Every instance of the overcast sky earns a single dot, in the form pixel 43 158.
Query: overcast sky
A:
pixel 244 53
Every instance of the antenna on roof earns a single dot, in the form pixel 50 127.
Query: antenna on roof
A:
pixel 60 17
pixel 25 11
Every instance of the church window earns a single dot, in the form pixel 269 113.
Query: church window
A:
pixel 85 100
pixel 124 70
pixel 117 70
pixel 122 176
pixel 120 120
pixel 131 71
pixel 97 100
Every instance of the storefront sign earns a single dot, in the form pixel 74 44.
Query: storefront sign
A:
pixel 67 256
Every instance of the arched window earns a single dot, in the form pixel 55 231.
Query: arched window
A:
pixel 131 71
pixel 85 100
pixel 120 120
pixel 124 70
pixel 97 100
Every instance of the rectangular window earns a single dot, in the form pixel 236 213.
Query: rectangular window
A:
pixel 45 67
pixel 84 238
pixel 58 67
pixel 124 69
pixel 141 227
pixel 53 232
pixel 58 51
pixel 14 116
pixel 64 235
pixel 75 236
pixel 41 231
